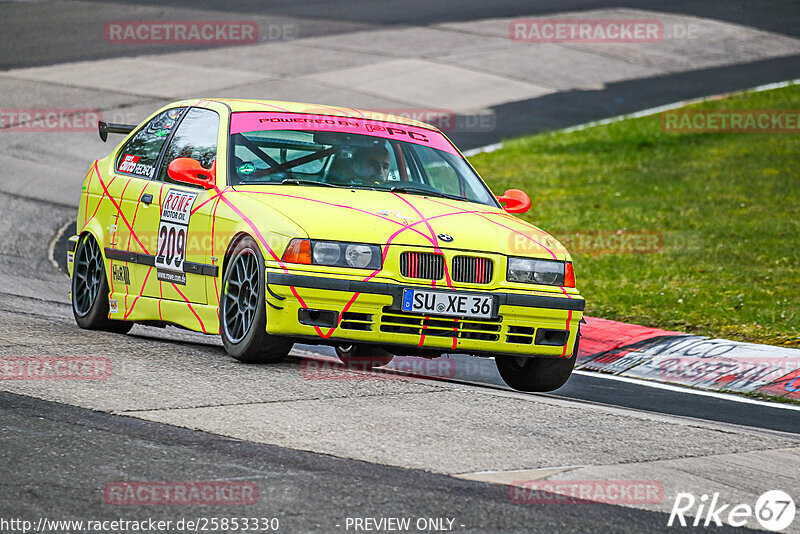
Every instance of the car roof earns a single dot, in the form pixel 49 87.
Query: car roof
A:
pixel 238 105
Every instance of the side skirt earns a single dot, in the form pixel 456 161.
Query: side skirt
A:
pixel 197 317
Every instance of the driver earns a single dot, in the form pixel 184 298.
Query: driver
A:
pixel 371 165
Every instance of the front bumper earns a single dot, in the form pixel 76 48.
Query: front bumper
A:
pixel 72 245
pixel 331 309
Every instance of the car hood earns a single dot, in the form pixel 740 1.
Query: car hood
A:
pixel 381 217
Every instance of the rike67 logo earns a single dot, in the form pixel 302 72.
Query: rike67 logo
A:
pixel 774 510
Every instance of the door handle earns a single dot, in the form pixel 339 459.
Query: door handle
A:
pixel 147 199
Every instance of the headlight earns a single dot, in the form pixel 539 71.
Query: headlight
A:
pixel 360 256
pixel 326 253
pixel 333 253
pixel 529 271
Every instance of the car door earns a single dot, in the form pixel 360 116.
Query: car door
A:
pixel 181 218
pixel 132 189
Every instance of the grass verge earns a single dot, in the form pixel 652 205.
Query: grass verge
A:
pixel 710 221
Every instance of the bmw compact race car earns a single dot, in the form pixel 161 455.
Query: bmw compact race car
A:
pixel 270 223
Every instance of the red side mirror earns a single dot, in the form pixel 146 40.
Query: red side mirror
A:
pixel 515 201
pixel 189 171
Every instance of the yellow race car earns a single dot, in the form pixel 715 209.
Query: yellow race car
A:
pixel 270 223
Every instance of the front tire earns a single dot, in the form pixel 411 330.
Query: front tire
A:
pixel 90 290
pixel 242 308
pixel 363 357
pixel 537 374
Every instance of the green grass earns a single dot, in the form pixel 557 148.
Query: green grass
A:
pixel 761 396
pixel 726 204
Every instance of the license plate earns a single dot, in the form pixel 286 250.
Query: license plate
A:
pixel 448 303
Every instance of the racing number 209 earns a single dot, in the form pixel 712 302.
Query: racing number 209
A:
pixel 176 212
pixel 171 245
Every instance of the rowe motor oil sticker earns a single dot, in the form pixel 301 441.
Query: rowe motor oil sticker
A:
pixel 172 233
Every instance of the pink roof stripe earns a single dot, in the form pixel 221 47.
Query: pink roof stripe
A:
pixel 252 121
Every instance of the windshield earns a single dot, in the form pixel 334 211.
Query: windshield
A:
pixel 385 156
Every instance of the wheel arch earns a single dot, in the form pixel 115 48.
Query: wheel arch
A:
pixel 235 240
pixel 94 229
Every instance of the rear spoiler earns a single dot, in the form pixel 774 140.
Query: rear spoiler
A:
pixel 105 128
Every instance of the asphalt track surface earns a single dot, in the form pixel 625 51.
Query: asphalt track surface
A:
pixel 55 457
pixel 37 36
pixel 34 35
pixel 307 492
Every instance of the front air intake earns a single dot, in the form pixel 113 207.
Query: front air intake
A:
pixel 472 270
pixel 423 265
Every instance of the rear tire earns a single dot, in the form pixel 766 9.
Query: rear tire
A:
pixel 363 357
pixel 90 290
pixel 537 374
pixel 242 308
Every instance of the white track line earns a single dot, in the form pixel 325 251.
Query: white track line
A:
pixel 691 391
pixel 487 148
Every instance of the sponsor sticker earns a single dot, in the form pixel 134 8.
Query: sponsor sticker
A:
pixel 121 274
pixel 112 238
pixel 130 164
pixel 173 232
pixel 407 219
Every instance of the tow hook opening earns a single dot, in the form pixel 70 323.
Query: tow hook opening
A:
pixel 552 338
pixel 312 317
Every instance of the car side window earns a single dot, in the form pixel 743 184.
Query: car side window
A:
pixel 139 156
pixel 195 138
